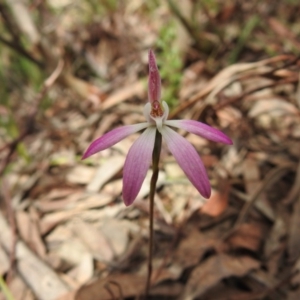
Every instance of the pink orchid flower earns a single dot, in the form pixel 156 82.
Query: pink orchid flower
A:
pixel 139 156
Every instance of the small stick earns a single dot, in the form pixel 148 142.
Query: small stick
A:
pixel 12 223
pixel 271 178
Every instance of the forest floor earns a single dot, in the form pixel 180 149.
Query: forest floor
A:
pixel 73 70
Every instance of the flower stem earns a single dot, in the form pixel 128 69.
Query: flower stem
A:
pixel 155 167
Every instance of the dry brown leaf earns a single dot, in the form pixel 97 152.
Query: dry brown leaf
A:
pixel 294 294
pixel 273 108
pixel 298 93
pixel 113 188
pixel 123 94
pixel 83 88
pixel 183 39
pixel 296 269
pixel 4 262
pixel 227 76
pixel 93 201
pixel 25 23
pixel 295 190
pixel 19 290
pixel 116 234
pixel 283 31
pixel 81 174
pixel 217 203
pixel 29 232
pixel 42 280
pixel 192 248
pixel 162 210
pixel 144 191
pixel 59 193
pixel 68 296
pixel 251 174
pixel 294 241
pixel 94 240
pixel 229 116
pixel 129 284
pixel 58 235
pixel 70 251
pixel 213 270
pixel 50 205
pixel 85 269
pixel 159 275
pixel 109 211
pixel 192 80
pixel 226 292
pixel 105 172
pixel 77 201
pixel 275 238
pixel 170 289
pixel 248 236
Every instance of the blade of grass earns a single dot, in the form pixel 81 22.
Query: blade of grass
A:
pixel 245 34
pixel 5 290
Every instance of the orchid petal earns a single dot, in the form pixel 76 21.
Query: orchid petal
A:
pixel 166 111
pixel 137 164
pixel 112 137
pixel 188 159
pixel 154 81
pixel 147 111
pixel 201 129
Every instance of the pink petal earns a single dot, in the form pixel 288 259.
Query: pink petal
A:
pixel 137 164
pixel 154 82
pixel 188 159
pixel 201 129
pixel 112 137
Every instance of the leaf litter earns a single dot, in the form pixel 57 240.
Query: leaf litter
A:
pixel 65 233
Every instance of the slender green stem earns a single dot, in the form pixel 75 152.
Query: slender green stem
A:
pixel 191 29
pixel 5 290
pixel 155 167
